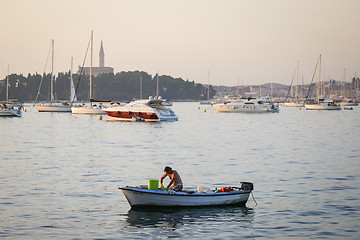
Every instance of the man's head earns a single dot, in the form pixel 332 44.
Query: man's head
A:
pixel 167 169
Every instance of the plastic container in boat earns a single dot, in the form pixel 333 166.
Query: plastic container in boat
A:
pixel 153 184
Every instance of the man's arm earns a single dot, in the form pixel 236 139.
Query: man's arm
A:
pixel 171 182
pixel 162 178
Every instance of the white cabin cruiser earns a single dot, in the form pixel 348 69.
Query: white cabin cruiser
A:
pixel 150 110
pixel 246 105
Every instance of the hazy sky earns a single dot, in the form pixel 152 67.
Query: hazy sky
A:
pixel 238 41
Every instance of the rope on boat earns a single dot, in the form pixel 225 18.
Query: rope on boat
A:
pixel 253 198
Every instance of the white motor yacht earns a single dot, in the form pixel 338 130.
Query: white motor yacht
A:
pixel 246 105
pixel 151 110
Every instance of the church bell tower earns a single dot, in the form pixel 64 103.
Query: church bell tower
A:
pixel 101 56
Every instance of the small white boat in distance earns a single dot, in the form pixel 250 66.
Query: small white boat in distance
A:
pixel 150 110
pixel 205 102
pixel 138 197
pixel 167 102
pixel 53 107
pixel 294 104
pixel 246 105
pixel 325 105
pixel 10 110
pixel 348 103
pixel 321 103
pixel 91 110
pixel 94 108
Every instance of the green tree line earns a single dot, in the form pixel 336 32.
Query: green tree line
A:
pixel 122 86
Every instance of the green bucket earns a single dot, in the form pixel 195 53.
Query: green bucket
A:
pixel 153 184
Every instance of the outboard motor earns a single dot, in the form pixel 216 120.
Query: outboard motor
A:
pixel 247 186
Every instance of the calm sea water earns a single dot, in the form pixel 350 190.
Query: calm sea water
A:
pixel 60 173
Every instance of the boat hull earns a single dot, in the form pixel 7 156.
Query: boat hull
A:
pixel 322 107
pixel 88 110
pixel 349 104
pixel 166 198
pixel 53 108
pixel 10 113
pixel 143 114
pixel 221 107
pixel 294 104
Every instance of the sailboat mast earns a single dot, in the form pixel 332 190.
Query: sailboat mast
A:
pixel 71 88
pixel 7 85
pixel 91 57
pixel 260 89
pixel 157 85
pixel 52 72
pixel 208 91
pixel 140 87
pixel 297 83
pixel 318 89
pixel 344 93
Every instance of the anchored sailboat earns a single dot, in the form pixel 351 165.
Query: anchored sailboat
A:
pixel 296 101
pixel 52 106
pixel 73 97
pixel 325 104
pixel 207 102
pixel 7 108
pixel 91 108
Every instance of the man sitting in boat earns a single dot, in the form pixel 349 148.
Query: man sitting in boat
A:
pixel 175 179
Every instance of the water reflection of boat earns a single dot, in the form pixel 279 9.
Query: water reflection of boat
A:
pixel 175 218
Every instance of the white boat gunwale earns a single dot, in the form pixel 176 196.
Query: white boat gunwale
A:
pixel 184 194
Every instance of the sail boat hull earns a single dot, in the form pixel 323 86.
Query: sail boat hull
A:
pixel 294 104
pixel 53 108
pixel 88 110
pixel 322 107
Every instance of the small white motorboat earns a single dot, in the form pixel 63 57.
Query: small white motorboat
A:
pixel 294 104
pixel 324 105
pixel 10 110
pixel 246 105
pixel 139 197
